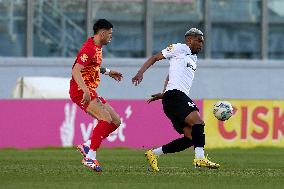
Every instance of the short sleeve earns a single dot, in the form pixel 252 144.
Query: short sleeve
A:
pixel 85 55
pixel 168 52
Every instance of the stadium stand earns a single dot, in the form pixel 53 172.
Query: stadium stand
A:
pixel 59 26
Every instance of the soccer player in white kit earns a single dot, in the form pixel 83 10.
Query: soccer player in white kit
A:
pixel 177 105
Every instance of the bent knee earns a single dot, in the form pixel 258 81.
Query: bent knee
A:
pixel 100 114
pixel 194 118
pixel 199 122
pixel 107 119
pixel 116 121
pixel 106 116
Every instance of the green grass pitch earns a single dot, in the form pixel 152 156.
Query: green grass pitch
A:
pixel 125 168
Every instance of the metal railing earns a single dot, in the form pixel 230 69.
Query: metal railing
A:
pixel 39 16
pixel 65 42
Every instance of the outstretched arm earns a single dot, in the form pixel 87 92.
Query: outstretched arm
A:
pixel 158 96
pixel 166 83
pixel 113 74
pixel 139 76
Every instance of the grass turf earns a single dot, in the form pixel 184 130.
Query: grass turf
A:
pixel 126 168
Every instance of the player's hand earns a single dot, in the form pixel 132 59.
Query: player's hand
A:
pixel 155 97
pixel 86 97
pixel 137 78
pixel 115 75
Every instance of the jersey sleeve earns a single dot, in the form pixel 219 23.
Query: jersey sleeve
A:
pixel 85 55
pixel 172 51
pixel 168 52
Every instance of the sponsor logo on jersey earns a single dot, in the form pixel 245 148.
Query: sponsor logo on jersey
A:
pixel 190 66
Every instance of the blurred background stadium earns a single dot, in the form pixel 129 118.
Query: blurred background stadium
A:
pixel 251 29
pixel 243 37
pixel 242 62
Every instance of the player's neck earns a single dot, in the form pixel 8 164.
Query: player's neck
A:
pixel 97 41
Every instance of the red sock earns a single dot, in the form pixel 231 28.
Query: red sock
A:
pixel 112 127
pixel 100 132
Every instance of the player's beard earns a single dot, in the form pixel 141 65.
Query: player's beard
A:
pixel 197 51
pixel 107 41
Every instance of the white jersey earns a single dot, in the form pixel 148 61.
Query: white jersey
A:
pixel 182 67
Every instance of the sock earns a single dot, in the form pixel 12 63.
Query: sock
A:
pixel 199 153
pixel 177 145
pixel 92 155
pixel 158 151
pixel 100 132
pixel 198 136
pixel 109 129
pixel 113 127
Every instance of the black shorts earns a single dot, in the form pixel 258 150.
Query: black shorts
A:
pixel 177 106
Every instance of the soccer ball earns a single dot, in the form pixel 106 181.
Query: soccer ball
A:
pixel 223 110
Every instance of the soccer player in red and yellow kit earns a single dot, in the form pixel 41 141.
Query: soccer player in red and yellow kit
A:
pixel 85 79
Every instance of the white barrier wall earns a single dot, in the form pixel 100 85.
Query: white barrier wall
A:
pixel 218 79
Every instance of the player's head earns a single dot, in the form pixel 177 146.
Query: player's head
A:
pixel 194 39
pixel 103 29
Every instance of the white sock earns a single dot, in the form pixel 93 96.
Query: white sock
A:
pixel 88 143
pixel 199 153
pixel 92 154
pixel 158 151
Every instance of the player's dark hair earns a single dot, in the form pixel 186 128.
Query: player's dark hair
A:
pixel 102 24
pixel 194 32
